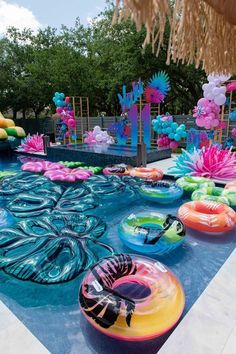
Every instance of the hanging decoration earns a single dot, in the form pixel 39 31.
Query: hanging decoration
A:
pixel 201 42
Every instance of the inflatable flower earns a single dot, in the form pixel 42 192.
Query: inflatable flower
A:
pixel 40 166
pixel 52 249
pixel 68 174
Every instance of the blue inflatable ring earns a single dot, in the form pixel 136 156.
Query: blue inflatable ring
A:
pixel 161 192
pixel 151 232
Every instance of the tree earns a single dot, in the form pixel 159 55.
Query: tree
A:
pixel 92 61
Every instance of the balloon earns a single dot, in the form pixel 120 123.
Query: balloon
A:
pixel 58 103
pixel 208 95
pixel 177 137
pixel 222 89
pixel 232 115
pixel 211 115
pixel 173 144
pixel 216 91
pixel 200 122
pixel 59 110
pixel 215 123
pixel 171 135
pixel 67 99
pixel 204 86
pixel 231 86
pixel 71 123
pixel 220 99
pixel 203 102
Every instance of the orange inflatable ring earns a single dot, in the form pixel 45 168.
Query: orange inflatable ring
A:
pixel 147 173
pixel 231 186
pixel 207 216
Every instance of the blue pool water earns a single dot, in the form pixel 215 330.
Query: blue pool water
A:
pixel 52 312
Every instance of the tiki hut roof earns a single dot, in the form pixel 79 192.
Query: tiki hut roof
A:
pixel 202 31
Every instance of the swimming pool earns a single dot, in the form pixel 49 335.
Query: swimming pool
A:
pixel 52 312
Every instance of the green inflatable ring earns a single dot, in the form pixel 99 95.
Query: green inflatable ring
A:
pixel 192 183
pixel 4 174
pixel 231 196
pixel 72 164
pixel 214 194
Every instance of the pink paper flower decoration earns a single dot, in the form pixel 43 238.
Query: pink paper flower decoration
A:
pixel 32 143
pixel 210 162
pixel 41 166
pixel 215 163
pixel 153 95
pixel 68 174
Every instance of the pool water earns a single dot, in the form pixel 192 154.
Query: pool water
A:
pixel 52 312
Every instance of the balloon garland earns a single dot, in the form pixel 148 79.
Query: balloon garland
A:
pixel 171 132
pixel 67 115
pixel 207 111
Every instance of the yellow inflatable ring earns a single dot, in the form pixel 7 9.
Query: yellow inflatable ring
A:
pixel 152 309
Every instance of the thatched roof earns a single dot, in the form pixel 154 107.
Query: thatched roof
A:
pixel 202 31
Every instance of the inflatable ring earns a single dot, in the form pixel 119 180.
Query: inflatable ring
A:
pixel 210 193
pixel 230 194
pixel 132 298
pixel 231 186
pixel 191 183
pixel 207 216
pixel 160 192
pixel 152 232
pixel 119 170
pixel 147 173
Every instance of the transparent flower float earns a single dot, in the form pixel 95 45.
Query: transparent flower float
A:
pixel 52 249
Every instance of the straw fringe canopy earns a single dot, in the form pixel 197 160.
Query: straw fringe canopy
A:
pixel 201 31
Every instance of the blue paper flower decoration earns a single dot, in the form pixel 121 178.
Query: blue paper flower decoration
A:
pixel 161 82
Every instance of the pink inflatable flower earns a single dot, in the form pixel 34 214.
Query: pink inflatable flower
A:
pixel 40 166
pixel 68 174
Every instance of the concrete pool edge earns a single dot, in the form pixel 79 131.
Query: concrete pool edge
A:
pixel 209 327
pixel 15 337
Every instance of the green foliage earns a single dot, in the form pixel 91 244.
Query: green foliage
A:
pixel 89 61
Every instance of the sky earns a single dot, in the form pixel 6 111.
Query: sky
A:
pixel 36 14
